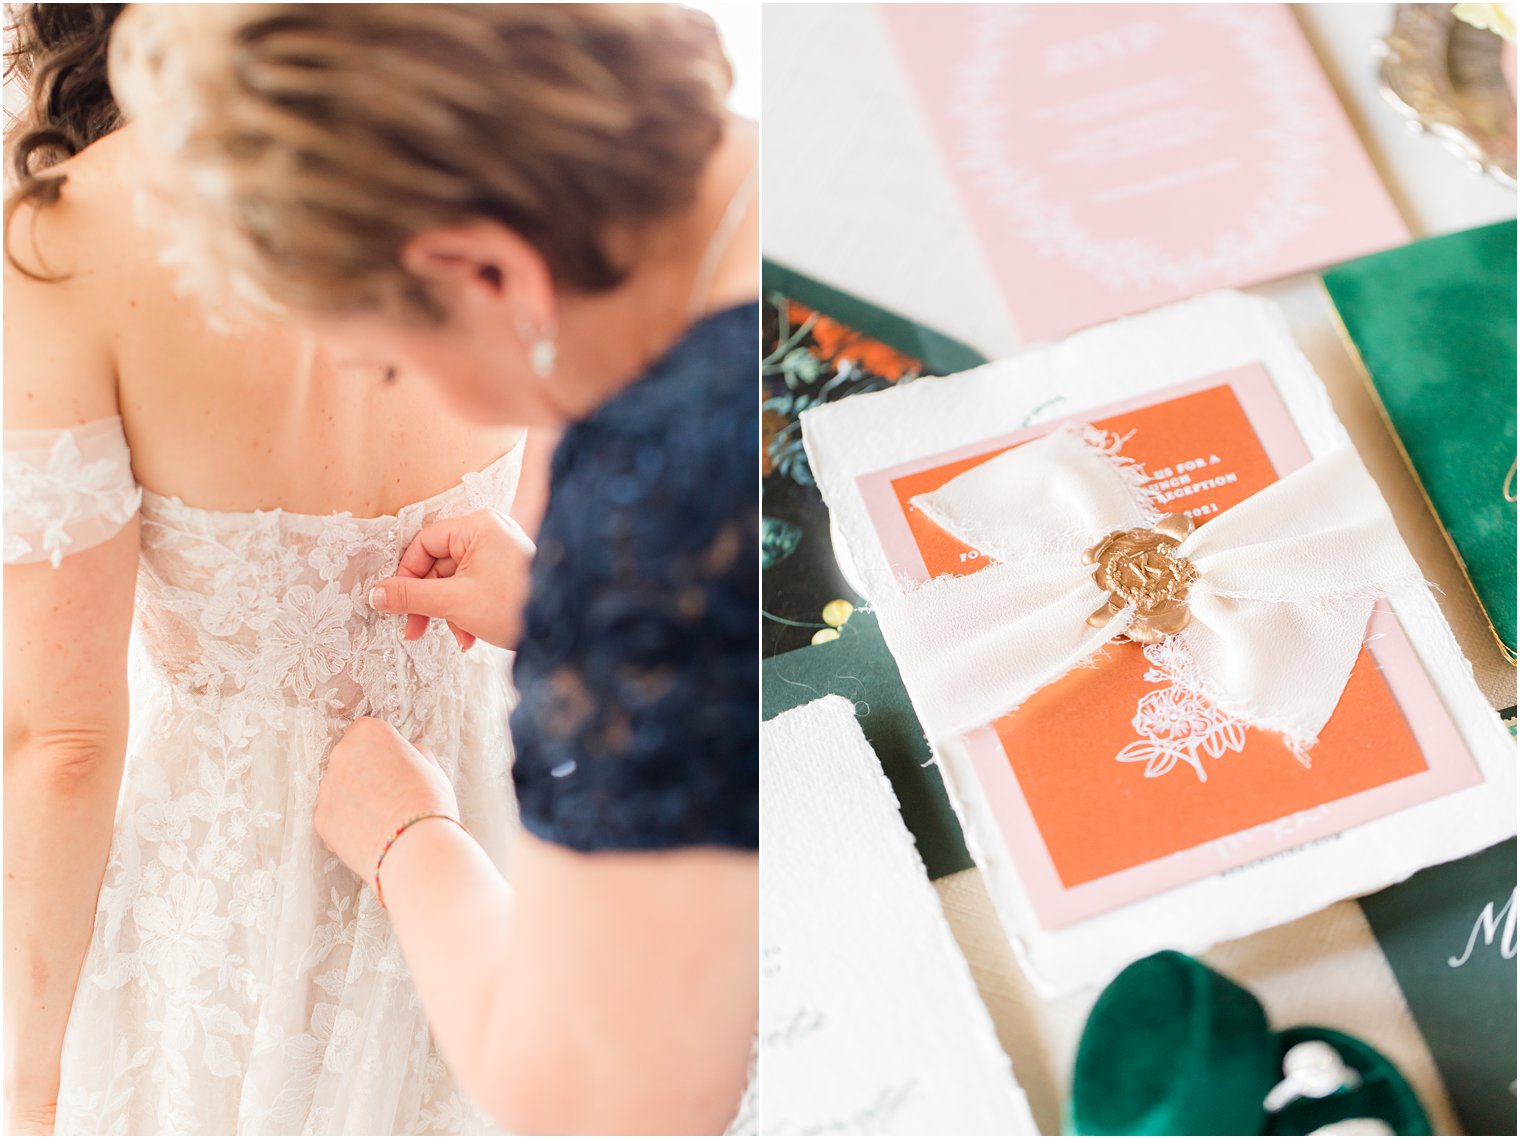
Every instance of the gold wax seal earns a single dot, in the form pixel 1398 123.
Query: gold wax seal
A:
pixel 1142 568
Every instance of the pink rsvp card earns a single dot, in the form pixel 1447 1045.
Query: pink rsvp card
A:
pixel 1118 157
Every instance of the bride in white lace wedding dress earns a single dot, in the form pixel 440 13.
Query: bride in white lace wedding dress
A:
pixel 240 977
pixel 237 978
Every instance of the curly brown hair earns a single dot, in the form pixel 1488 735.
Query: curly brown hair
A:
pixel 58 52
pixel 303 145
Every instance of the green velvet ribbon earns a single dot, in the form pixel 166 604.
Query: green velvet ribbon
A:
pixel 1173 1048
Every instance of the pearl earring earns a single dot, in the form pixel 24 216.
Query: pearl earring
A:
pixel 543 355
pixel 543 352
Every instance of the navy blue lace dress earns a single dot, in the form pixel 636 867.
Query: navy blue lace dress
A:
pixel 639 662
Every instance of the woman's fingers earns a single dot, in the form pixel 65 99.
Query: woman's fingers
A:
pixel 445 538
pixel 417 623
pixel 420 596
pixel 429 582
pixel 466 640
pixel 512 526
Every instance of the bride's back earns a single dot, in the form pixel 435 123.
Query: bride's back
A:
pixel 218 908
pixel 251 419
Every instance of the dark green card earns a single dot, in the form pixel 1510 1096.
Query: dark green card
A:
pixel 941 355
pixel 1434 323
pixel 858 667
pixel 1449 934
pixel 821 346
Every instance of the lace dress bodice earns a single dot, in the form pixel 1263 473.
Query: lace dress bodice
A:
pixel 240 979
pixel 273 605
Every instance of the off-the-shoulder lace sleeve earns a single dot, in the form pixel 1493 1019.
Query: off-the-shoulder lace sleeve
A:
pixel 66 490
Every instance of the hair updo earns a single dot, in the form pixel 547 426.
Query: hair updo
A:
pixel 303 145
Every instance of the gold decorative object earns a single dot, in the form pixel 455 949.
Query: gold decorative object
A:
pixel 1445 77
pixel 1142 568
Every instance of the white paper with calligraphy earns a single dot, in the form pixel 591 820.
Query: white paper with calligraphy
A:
pixel 871 1023
pixel 1455 796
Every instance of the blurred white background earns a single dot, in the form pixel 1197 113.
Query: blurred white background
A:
pixel 739 25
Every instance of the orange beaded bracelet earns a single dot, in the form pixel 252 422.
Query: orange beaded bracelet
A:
pixel 401 830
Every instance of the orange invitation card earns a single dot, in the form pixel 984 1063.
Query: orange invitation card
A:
pixel 1113 783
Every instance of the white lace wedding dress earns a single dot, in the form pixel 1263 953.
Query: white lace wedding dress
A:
pixel 241 979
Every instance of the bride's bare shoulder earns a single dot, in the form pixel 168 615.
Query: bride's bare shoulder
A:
pixel 86 229
pixel 70 259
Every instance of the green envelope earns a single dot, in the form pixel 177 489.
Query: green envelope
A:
pixel 942 355
pixel 1434 325
pixel 800 574
pixel 864 349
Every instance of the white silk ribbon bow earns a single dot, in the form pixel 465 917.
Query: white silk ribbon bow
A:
pixel 1286 583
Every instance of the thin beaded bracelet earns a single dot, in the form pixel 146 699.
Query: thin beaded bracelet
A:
pixel 401 830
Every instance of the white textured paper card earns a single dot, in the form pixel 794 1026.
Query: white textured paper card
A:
pixel 1175 859
pixel 870 1021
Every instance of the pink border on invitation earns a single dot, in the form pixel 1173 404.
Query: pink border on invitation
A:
pixel 1449 766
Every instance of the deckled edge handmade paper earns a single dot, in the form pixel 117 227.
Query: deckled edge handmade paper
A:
pixel 1121 360
pixel 870 1020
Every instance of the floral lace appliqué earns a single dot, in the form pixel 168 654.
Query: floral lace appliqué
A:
pixel 240 979
pixel 73 491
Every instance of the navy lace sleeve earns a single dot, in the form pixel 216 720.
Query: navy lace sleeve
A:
pixel 639 662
